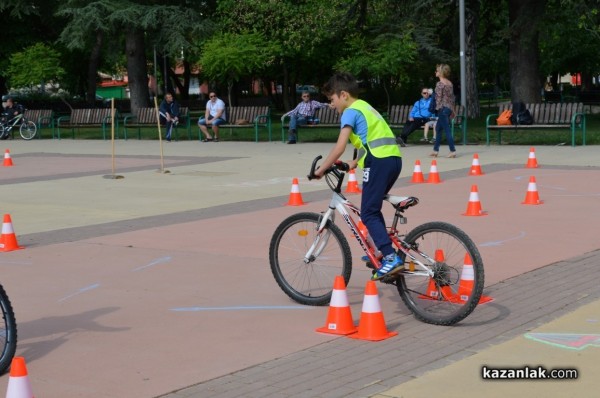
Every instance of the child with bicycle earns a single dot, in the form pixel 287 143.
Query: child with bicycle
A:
pixel 378 156
pixel 10 110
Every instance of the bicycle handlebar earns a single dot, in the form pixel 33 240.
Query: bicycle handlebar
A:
pixel 335 168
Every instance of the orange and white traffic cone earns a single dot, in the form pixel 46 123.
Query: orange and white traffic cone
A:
pixel 532 161
pixel 532 197
pixel 476 167
pixel 8 239
pixel 417 176
pixel 434 176
pixel 18 381
pixel 474 205
pixel 466 283
pixel 7 159
pixel 352 183
pixel 372 325
pixel 432 292
pixel 339 318
pixel 295 195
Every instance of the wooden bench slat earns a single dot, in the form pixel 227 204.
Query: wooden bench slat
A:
pixel 41 117
pixel 545 116
pixel 256 116
pixel 327 117
pixel 398 116
pixel 88 117
pixel 146 117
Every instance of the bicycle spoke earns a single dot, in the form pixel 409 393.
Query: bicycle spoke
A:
pixel 443 298
pixel 308 283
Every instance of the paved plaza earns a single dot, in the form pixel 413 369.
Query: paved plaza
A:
pixel 157 284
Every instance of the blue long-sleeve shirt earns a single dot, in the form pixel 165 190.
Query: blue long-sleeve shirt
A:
pixel 420 109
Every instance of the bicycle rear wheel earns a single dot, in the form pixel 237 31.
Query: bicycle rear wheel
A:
pixel 8 332
pixel 456 286
pixel 28 130
pixel 309 283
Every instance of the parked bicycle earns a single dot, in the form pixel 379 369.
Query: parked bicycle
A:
pixel 443 277
pixel 27 128
pixel 8 332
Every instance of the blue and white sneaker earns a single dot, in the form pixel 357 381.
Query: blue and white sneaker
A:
pixel 367 262
pixel 388 267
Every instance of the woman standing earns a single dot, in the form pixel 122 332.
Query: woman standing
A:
pixel 444 105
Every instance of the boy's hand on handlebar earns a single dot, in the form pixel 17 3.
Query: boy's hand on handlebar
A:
pixel 341 165
pixel 318 174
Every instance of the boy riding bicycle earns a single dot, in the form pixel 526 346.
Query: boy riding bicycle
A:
pixel 378 156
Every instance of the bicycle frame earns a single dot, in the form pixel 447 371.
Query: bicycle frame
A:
pixel 12 122
pixel 340 204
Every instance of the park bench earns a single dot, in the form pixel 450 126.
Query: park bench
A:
pixel 324 117
pixel 81 118
pixel 589 98
pixel 398 116
pixel 41 118
pixel 146 117
pixel 256 117
pixel 545 116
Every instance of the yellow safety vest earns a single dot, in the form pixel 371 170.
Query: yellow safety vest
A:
pixel 380 138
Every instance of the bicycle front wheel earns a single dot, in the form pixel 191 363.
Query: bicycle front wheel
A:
pixel 455 288
pixel 309 280
pixel 28 130
pixel 8 332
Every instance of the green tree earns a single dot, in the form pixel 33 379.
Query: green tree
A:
pixel 229 57
pixel 87 27
pixel 568 45
pixel 492 47
pixel 387 58
pixel 34 66
pixel 25 22
pixel 303 31
pixel 171 26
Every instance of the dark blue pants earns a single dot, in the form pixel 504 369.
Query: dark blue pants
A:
pixel 379 176
pixel 443 123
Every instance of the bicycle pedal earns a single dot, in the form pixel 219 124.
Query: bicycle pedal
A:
pixel 388 277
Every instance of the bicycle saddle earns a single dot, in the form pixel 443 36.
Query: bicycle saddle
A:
pixel 401 202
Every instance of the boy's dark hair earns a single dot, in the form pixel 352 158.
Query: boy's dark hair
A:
pixel 341 81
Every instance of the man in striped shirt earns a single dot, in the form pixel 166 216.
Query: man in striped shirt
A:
pixel 302 114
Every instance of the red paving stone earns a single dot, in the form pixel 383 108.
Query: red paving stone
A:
pixel 172 305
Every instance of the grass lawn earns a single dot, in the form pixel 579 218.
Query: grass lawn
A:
pixel 475 133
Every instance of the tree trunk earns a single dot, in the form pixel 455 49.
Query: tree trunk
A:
pixel 90 96
pixel 183 88
pixel 136 70
pixel 229 91
pixel 587 81
pixel 471 23
pixel 524 61
pixel 285 88
pixel 187 75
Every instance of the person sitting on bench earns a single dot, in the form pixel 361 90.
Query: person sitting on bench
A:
pixel 419 115
pixel 302 114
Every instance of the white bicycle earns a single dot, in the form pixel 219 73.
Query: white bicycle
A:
pixel 27 128
pixel 443 277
